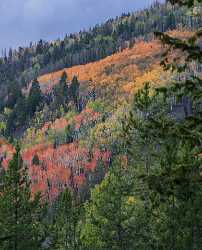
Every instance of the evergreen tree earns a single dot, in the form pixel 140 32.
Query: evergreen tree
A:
pixel 14 94
pixel 20 212
pixel 74 88
pixel 35 97
pixel 17 117
pixel 181 155
pixel 165 155
pixel 110 214
pixel 61 93
pixel 69 134
pixel 35 160
pixel 63 87
pixel 65 224
pixel 63 82
pixel 173 182
pixel 143 152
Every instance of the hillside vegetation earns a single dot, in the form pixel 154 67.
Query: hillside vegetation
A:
pixel 67 147
pixel 101 134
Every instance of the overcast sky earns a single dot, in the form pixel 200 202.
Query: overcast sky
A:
pixel 22 21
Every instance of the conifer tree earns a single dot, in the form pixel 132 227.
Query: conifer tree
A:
pixel 61 93
pixel 142 147
pixel 34 98
pixel 75 90
pixel 20 212
pixel 65 224
pixel 64 87
pixel 175 181
pixel 111 221
pixel 189 131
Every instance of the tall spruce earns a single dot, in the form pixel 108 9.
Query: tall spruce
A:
pixel 142 144
pixel 111 214
pixel 175 179
pixel 75 90
pixel 20 211
pixel 186 178
pixel 35 97
pixel 61 95
pixel 65 223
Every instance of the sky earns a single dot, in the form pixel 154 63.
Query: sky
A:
pixel 23 21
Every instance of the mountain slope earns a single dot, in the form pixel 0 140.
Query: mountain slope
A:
pixel 23 65
pixel 117 72
pixel 54 161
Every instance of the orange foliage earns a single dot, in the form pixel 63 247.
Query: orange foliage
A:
pixel 182 34
pixel 156 76
pixel 6 152
pixel 56 166
pixel 120 73
pixel 58 124
pixel 85 117
pixel 122 66
pixel 79 180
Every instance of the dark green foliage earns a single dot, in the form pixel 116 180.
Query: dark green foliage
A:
pixel 63 85
pixel 35 160
pixel 14 94
pixel 69 134
pixel 188 3
pixel 65 224
pixel 24 109
pixel 61 94
pixel 74 90
pixel 164 154
pixel 20 213
pixel 166 151
pixel 110 213
pixel 17 117
pixel 34 99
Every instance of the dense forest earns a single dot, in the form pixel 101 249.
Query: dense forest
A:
pixel 101 136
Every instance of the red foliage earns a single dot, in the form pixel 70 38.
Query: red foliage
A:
pixel 6 152
pixel 79 180
pixel 56 166
pixel 85 117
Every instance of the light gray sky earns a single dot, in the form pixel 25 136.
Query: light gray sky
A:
pixel 22 21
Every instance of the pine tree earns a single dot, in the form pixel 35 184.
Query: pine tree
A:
pixel 64 87
pixel 142 144
pixel 19 211
pixel 111 221
pixel 61 94
pixel 65 224
pixel 184 177
pixel 35 97
pixel 35 160
pixel 74 88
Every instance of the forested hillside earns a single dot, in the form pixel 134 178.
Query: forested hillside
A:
pixel 101 134
pixel 19 67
